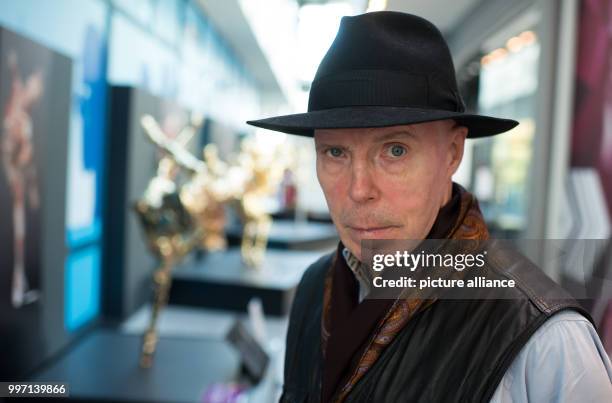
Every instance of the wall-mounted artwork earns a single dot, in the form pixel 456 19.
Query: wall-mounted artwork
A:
pixel 81 34
pixel 21 169
pixel 34 105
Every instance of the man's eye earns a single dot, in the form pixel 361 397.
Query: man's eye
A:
pixel 334 152
pixel 397 150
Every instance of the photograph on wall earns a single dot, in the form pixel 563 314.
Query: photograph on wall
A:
pixel 34 87
pixel 23 86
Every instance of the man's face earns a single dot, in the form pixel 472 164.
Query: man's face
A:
pixel 389 182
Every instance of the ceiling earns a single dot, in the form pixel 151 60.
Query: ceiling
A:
pixel 445 14
pixel 228 18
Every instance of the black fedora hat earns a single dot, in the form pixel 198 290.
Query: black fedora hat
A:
pixel 384 69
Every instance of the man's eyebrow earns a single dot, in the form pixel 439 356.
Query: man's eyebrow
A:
pixel 395 134
pixel 323 143
pixel 328 143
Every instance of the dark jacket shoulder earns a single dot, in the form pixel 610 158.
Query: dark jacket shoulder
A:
pixel 531 282
pixel 302 372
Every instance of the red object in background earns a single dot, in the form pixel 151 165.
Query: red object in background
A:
pixel 592 126
pixel 289 190
pixel 605 328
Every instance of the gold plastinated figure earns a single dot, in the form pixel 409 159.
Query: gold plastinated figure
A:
pixel 262 174
pixel 205 195
pixel 244 186
pixel 168 227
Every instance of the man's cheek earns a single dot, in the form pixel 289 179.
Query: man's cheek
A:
pixel 326 182
pixel 334 200
pixel 336 203
pixel 336 190
pixel 406 199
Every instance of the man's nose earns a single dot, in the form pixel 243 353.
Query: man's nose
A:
pixel 363 184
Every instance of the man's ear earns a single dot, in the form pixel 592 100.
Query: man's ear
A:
pixel 457 135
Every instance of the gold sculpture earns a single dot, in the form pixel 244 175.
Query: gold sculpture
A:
pixel 243 186
pixel 262 174
pixel 168 226
pixel 205 195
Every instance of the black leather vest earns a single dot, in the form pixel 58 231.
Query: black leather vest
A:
pixel 453 351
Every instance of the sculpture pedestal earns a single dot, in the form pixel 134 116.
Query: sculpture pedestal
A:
pixel 286 234
pixel 220 280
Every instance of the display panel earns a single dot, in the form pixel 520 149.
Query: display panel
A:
pixel 34 105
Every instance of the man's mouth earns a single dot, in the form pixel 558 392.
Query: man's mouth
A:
pixel 372 231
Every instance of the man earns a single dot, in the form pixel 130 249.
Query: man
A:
pixel 389 129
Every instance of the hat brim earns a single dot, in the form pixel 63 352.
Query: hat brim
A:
pixel 304 124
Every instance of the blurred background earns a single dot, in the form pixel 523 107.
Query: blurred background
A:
pixel 125 154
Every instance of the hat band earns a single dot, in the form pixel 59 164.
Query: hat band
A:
pixel 382 88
